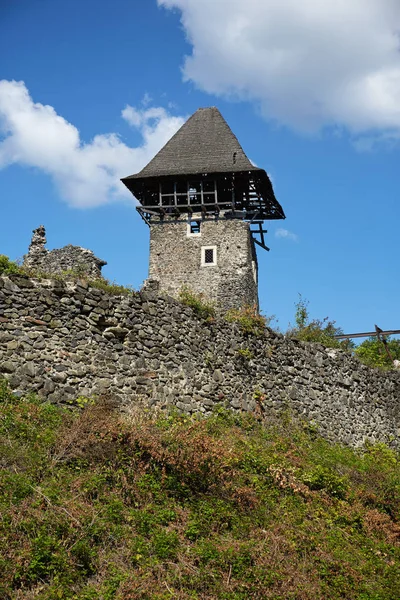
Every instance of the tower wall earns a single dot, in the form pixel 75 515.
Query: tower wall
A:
pixel 177 258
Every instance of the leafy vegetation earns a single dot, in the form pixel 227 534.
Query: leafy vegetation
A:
pixel 99 505
pixel 7 266
pixel 245 353
pixel 322 331
pixel 201 306
pixel 249 320
pixel 81 274
pixel 372 352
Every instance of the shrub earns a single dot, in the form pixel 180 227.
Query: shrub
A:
pixel 47 558
pixel 165 543
pixel 201 306
pixel 248 319
pixel 372 352
pixel 321 478
pixel 7 266
pixel 322 331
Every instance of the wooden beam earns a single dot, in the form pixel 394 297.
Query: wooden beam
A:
pixel 261 245
pixel 346 336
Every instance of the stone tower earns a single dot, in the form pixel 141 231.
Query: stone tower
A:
pixel 205 204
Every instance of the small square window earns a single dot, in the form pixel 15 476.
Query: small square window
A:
pixel 208 256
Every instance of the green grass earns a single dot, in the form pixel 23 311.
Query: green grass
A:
pixel 110 287
pixel 98 505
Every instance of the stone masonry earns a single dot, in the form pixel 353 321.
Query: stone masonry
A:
pixel 69 258
pixel 63 340
pixel 177 260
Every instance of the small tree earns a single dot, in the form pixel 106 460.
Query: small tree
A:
pixel 372 352
pixel 322 331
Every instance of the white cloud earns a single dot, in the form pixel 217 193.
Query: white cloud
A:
pixel 285 234
pixel 309 63
pixel 86 174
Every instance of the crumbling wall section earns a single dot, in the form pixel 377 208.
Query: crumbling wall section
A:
pixel 62 260
pixel 64 340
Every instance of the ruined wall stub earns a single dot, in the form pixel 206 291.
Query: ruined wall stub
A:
pixel 219 261
pixel 61 260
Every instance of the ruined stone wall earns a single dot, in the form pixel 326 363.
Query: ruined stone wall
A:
pixel 176 261
pixel 64 340
pixel 60 260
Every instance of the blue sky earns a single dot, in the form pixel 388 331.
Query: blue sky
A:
pixel 313 96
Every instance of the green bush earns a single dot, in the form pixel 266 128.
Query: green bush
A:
pixel 321 478
pixel 204 308
pixel 7 266
pixel 249 320
pixel 372 352
pixel 165 544
pixel 47 558
pixel 110 287
pixel 321 331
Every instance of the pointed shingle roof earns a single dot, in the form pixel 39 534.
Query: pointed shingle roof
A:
pixel 204 144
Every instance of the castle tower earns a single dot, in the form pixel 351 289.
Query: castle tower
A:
pixel 205 204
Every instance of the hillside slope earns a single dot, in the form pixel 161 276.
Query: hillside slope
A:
pixel 98 505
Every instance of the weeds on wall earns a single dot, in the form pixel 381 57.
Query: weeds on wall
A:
pixel 320 331
pixel 99 505
pixel 80 274
pixel 245 354
pixel 249 320
pixel 198 302
pixel 110 287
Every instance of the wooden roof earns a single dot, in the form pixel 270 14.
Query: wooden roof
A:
pixel 204 144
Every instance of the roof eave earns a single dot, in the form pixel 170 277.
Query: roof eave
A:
pixel 139 176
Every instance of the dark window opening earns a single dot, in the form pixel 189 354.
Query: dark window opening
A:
pixel 209 256
pixel 208 185
pixel 181 187
pixel 194 196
